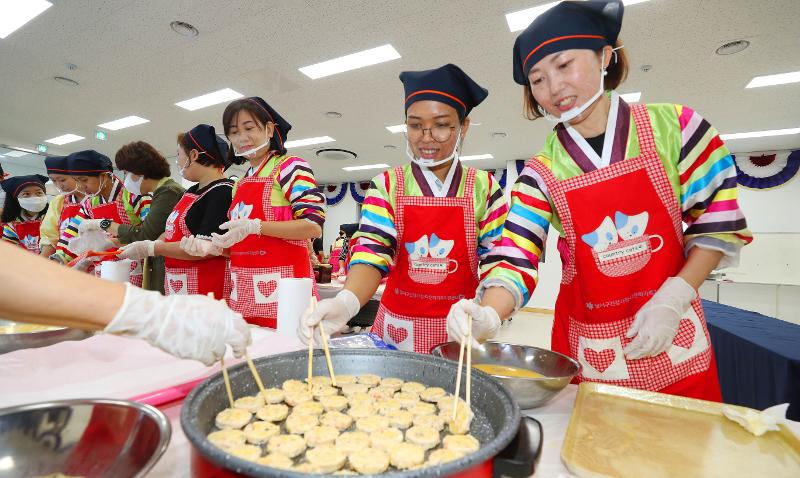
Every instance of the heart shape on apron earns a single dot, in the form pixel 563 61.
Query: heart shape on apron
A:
pixel 398 334
pixel 176 285
pixel 599 360
pixel 265 289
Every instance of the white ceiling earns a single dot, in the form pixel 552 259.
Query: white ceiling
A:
pixel 129 62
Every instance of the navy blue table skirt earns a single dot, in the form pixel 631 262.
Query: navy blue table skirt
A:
pixel 758 357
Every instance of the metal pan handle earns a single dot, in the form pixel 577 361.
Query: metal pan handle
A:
pixel 520 457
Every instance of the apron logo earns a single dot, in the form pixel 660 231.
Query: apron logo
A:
pixel 170 225
pixel 621 247
pixel 241 211
pixel 427 260
pixel 30 242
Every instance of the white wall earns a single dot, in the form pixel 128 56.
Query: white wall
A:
pixel 346 212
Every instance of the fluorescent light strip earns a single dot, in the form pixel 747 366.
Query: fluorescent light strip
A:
pixel 16 13
pixel 366 166
pixel 308 141
pixel 520 20
pixel 353 61
pixel 632 97
pixel 210 99
pixel 771 80
pixel 125 122
pixel 398 128
pixel 759 134
pixel 18 154
pixel 476 157
pixel 64 139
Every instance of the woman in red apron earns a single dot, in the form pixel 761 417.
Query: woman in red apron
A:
pixel 25 206
pixel 106 198
pixel 200 211
pixel 617 182
pixel 276 208
pixel 427 224
pixel 62 208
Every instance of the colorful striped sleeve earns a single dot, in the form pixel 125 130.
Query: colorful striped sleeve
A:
pixel 141 206
pixel 708 190
pixel 514 261
pixel 10 233
pixel 301 190
pixel 490 224
pixel 375 242
pixel 63 254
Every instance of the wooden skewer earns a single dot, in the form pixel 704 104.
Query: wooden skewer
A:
pixel 224 370
pixel 227 380
pixel 458 378
pixel 255 373
pixel 469 362
pixel 325 347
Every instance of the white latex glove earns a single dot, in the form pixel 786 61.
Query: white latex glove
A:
pixel 657 322
pixel 84 264
pixel 187 326
pixel 89 225
pixel 238 230
pixel 333 314
pixel 195 246
pixel 138 250
pixel 485 322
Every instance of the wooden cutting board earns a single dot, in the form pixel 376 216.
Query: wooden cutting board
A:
pixel 622 432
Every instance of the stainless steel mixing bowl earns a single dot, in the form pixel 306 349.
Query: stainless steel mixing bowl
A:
pixel 558 369
pixel 87 438
pixel 42 338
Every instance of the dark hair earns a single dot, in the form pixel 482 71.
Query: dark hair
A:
pixel 12 210
pixel 210 159
pixel 142 159
pixel 231 115
pixel 616 73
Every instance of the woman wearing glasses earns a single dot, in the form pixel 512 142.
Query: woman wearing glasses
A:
pixel 426 224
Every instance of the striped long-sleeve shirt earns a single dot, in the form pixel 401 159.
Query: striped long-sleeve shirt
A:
pixel 296 187
pixel 375 243
pixel 701 172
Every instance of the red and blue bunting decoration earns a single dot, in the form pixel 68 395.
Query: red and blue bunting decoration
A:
pixel 767 171
pixel 334 193
pixel 359 190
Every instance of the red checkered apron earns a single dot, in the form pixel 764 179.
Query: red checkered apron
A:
pixel 602 291
pixel 28 235
pixel 423 284
pixel 70 208
pixel 191 277
pixel 258 262
pixel 115 211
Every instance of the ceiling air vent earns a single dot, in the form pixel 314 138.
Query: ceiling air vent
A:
pixel 336 154
pixel 733 47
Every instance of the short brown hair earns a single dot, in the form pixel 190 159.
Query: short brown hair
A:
pixel 617 72
pixel 185 143
pixel 142 159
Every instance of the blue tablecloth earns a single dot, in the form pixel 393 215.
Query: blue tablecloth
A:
pixel 758 357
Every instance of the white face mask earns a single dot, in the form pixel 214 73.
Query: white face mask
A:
pixel 99 188
pixel 251 153
pixel 183 169
pixel 135 187
pixel 67 193
pixel 430 163
pixel 33 204
pixel 570 115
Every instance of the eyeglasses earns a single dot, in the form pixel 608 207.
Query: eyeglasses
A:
pixel 439 133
